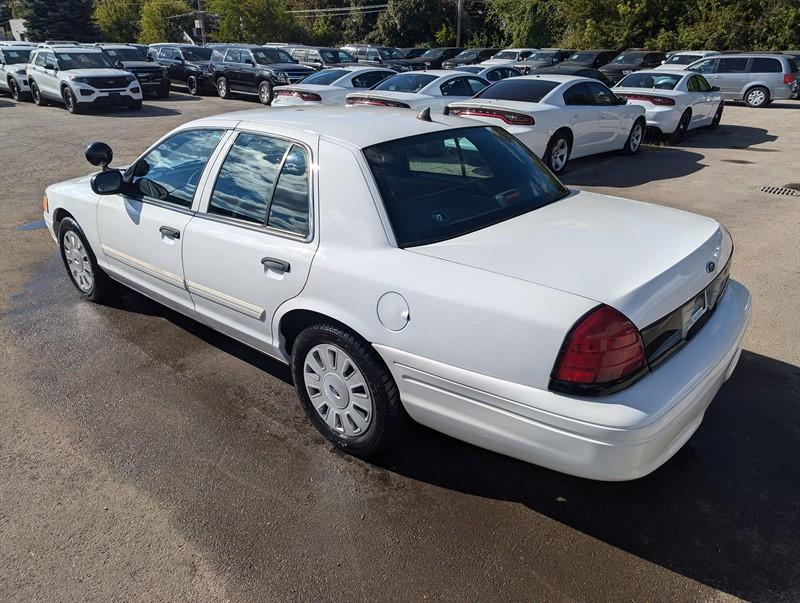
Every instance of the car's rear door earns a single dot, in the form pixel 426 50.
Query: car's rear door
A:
pixel 611 125
pixel 250 247
pixel 583 118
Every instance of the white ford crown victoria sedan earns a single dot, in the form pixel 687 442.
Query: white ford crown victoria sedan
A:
pixel 431 268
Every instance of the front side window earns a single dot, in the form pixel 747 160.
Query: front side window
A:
pixel 233 56
pixel 39 62
pixel 577 95
pixel 445 184
pixel 733 65
pixel 601 95
pixel 168 54
pixel 455 87
pixel 172 170
pixel 706 66
pixel 390 53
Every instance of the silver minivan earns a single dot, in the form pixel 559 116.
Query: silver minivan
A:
pixel 757 79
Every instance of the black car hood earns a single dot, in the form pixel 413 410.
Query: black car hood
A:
pixel 574 64
pixel 286 67
pixel 139 65
pixel 535 64
pixel 423 61
pixel 199 63
pixel 616 67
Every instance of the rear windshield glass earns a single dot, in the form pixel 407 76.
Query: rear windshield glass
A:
pixel 582 57
pixel 650 80
pixel 196 54
pixel 16 56
pixel 325 77
pixel 531 91
pixel 268 56
pixel 337 56
pixel 506 54
pixel 442 185
pixel 405 82
pixel 541 56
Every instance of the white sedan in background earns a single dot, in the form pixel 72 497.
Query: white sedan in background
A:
pixel 417 90
pixel 675 101
pixel 509 56
pixel 329 86
pixel 679 60
pixel 492 73
pixel 559 117
pixel 480 296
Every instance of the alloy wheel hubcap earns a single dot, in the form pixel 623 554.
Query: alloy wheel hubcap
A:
pixel 222 88
pixel 264 94
pixel 757 97
pixel 338 390
pixel 559 155
pixel 636 137
pixel 78 262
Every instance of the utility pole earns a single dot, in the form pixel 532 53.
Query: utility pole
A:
pixel 201 18
pixel 459 9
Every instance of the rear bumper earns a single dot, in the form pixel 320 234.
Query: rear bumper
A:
pixel 665 119
pixel 612 438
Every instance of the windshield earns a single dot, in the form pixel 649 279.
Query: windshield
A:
pixel 325 77
pixel 125 54
pixel 582 57
pixel 268 56
pixel 82 60
pixel 406 82
pixel 196 54
pixel 682 59
pixel 629 58
pixel 337 56
pixel 16 56
pixel 433 53
pixel 445 184
pixel 506 54
pixel 650 80
pixel 466 54
pixel 390 53
pixel 541 56
pixel 531 91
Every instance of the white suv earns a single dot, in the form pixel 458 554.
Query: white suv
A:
pixel 14 57
pixel 79 77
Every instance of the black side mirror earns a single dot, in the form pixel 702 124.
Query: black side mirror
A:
pixel 118 64
pixel 622 101
pixel 149 58
pixel 249 62
pixel 100 154
pixel 714 88
pixel 107 183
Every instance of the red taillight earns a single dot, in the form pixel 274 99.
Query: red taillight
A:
pixel 509 117
pixel 306 96
pixel 656 100
pixel 375 102
pixel 788 78
pixel 604 347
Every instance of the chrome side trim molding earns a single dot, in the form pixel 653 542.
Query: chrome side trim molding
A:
pixel 154 271
pixel 226 300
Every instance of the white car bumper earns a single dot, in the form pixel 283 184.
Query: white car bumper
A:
pixel 665 119
pixel 85 93
pixel 612 438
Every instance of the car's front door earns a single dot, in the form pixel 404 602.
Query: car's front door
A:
pixel 168 57
pixel 610 112
pixel 701 100
pixel 249 248
pixel 248 72
pixel 141 233
pixel 731 76
pixel 47 78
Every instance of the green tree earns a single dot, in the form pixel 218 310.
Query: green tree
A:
pixel 158 22
pixel 58 19
pixel 252 21
pixel 413 22
pixel 119 21
pixel 521 23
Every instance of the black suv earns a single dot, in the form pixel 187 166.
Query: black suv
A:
pixel 590 58
pixel 470 56
pixel 256 71
pixel 187 65
pixel 152 77
pixel 321 57
pixel 631 60
pixel 546 57
pixel 385 56
pixel 433 58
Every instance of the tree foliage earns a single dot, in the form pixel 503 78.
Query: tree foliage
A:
pixel 58 19
pixel 157 22
pixel 119 21
pixel 414 22
pixel 251 21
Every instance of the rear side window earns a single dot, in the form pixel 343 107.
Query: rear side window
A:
pixel 512 89
pixel 289 209
pixel 763 65
pixel 733 65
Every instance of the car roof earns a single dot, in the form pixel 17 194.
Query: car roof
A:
pixel 341 123
pixel 71 48
pixel 554 77
pixel 681 72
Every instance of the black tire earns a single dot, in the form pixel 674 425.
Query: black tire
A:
pixel 72 104
pixel 193 85
pixel 37 95
pixel 222 88
pixel 635 138
pixel 265 92
pixel 135 105
pixel 388 419
pixel 683 127
pixel 163 90
pixel 556 142
pixel 717 117
pixel 102 287
pixel 13 88
pixel 757 97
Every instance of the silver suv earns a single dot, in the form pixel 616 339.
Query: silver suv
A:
pixel 757 79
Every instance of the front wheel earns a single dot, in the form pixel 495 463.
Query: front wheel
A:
pixel 557 153
pixel 193 85
pixel 717 117
pixel 89 279
pixel 346 390
pixel 70 101
pixel 635 138
pixel 265 93
pixel 222 88
pixel 757 97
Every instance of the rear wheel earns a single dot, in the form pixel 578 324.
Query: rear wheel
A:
pixel 757 97
pixel 346 390
pixel 222 88
pixel 193 85
pixel 37 95
pixel 70 101
pixel 635 138
pixel 89 279
pixel 683 127
pixel 265 93
pixel 557 153
pixel 717 117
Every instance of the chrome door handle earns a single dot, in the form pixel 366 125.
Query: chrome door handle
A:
pixel 276 265
pixel 170 232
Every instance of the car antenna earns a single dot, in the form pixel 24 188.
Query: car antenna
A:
pixel 425 114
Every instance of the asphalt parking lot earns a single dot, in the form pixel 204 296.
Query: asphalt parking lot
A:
pixel 143 456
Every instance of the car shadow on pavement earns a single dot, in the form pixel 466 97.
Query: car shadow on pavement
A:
pixel 729 137
pixel 147 110
pixel 724 511
pixel 176 97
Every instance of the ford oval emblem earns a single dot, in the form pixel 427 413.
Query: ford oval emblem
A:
pixel 711 267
